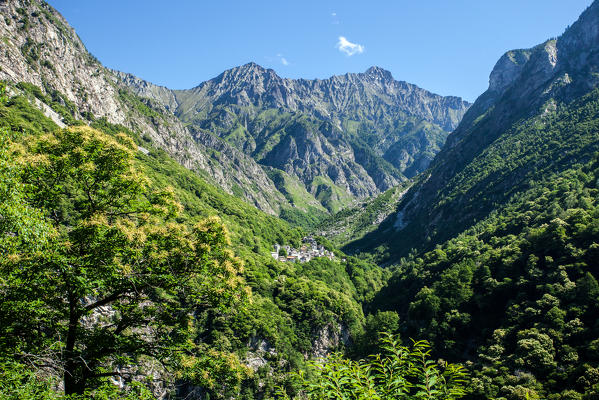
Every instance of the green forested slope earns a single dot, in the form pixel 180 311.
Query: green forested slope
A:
pixel 529 150
pixel 496 246
pixel 536 118
pixel 292 307
pixel 517 294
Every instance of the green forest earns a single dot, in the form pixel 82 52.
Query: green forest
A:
pixel 88 220
pixel 185 267
pixel 138 262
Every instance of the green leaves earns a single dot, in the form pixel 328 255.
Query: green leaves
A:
pixel 20 224
pixel 401 372
pixel 121 279
pixel 17 382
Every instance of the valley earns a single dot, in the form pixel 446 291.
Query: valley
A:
pixel 261 237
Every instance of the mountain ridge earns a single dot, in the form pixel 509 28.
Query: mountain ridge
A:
pixel 284 88
pixel 525 84
pixel 376 130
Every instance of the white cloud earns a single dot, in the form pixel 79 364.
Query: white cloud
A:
pixel 349 48
pixel 282 59
pixel 334 14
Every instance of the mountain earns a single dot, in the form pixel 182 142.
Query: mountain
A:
pixel 343 138
pixel 299 154
pixel 41 49
pixel 491 156
pixel 494 248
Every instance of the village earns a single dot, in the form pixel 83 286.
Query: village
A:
pixel 310 249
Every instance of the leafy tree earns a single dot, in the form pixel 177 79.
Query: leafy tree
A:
pixel 375 328
pixel 121 279
pixel 20 224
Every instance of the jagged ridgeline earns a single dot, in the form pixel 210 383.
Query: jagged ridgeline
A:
pixel 324 143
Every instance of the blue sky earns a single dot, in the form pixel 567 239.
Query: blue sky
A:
pixel 445 46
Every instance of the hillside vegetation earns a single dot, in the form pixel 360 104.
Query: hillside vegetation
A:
pixel 290 307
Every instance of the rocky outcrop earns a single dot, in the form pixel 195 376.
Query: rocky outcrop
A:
pixel 148 90
pixel 260 353
pixel 507 70
pixel 328 339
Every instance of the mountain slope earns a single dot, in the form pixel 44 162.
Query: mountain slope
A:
pixel 492 155
pixel 515 296
pixel 353 223
pixel 352 136
pixel 494 249
pixel 40 48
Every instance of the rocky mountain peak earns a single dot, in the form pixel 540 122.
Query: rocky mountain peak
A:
pixel 573 52
pixel 248 73
pixel 585 31
pixel 507 69
pixel 378 73
pixel 251 68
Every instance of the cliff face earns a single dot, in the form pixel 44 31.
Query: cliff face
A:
pixel 39 47
pixel 525 87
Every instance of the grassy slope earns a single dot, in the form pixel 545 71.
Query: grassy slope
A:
pixel 354 223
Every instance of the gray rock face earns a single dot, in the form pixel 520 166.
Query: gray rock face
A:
pixel 507 69
pixel 39 47
pixel 328 338
pixel 148 90
pixel 310 151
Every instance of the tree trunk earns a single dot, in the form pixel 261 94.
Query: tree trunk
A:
pixel 72 382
